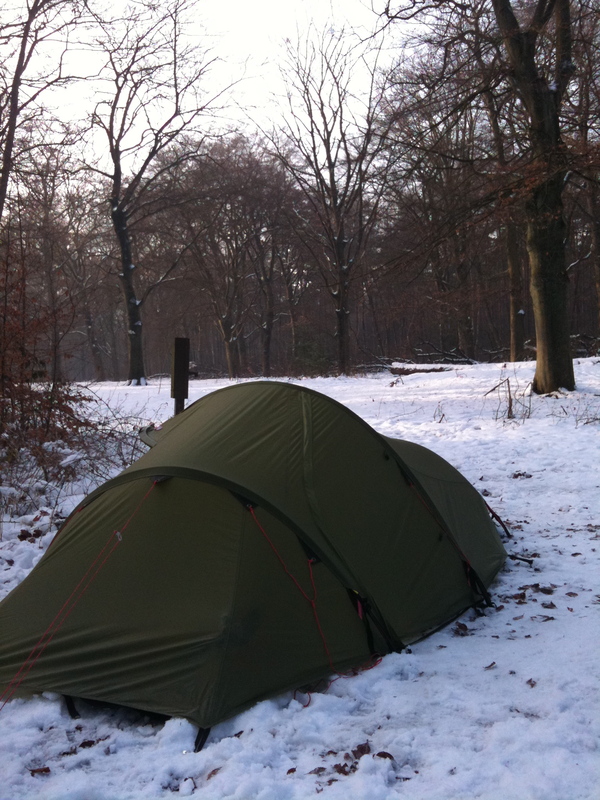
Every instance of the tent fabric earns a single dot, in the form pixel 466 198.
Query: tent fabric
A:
pixel 187 580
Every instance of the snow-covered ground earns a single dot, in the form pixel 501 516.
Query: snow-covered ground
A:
pixel 495 707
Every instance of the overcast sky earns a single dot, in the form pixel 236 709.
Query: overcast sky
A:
pixel 248 38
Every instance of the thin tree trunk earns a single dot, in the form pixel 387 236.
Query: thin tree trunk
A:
pixel 99 371
pixel 341 309
pixel 377 329
pixel 267 324
pixel 516 301
pixel 464 322
pixel 293 321
pixel 232 354
pixel 342 338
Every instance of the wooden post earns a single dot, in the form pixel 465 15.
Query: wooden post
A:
pixel 180 373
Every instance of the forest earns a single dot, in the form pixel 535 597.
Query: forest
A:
pixel 430 193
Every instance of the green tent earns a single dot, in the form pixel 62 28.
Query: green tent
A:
pixel 269 538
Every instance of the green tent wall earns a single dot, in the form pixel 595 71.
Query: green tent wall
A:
pixel 229 563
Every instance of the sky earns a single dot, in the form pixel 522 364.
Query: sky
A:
pixel 249 37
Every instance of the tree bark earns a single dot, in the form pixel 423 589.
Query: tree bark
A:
pixel 137 374
pixel 545 224
pixel 594 207
pixel 232 353
pixel 267 330
pixel 341 332
pixel 515 280
pixel 549 286
pixel 99 371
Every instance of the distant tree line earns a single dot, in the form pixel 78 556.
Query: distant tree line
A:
pixel 443 205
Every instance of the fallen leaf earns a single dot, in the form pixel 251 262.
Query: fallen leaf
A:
pixel 575 554
pixel 92 742
pixel 548 605
pixel 212 773
pixel 317 771
pixel 531 682
pixel 491 666
pixel 291 771
pixel 572 594
pixel 384 754
pixel 341 769
pixel 40 771
pixel 460 629
pixel 361 750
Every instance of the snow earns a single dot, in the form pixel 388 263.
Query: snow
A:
pixel 500 706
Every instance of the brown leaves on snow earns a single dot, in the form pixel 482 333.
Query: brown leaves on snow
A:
pixel 350 763
pixel 460 629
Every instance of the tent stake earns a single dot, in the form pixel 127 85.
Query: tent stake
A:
pixel 201 739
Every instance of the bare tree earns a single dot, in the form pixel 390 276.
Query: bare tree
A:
pixel 154 79
pixel 40 28
pixel 333 148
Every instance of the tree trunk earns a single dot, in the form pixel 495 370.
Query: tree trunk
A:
pixel 240 341
pixel 515 279
pixel 136 375
pixel 232 353
pixel 544 209
pixel 374 317
pixel 293 322
pixel 594 207
pixel 267 330
pixel 464 321
pixel 549 287
pixel 341 307
pixel 267 338
pixel 99 371
pixel 466 336
pixel 342 338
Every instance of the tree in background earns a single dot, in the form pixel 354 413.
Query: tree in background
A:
pixel 333 147
pixel 34 45
pixel 34 42
pixel 542 97
pixel 153 95
pixel 254 250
